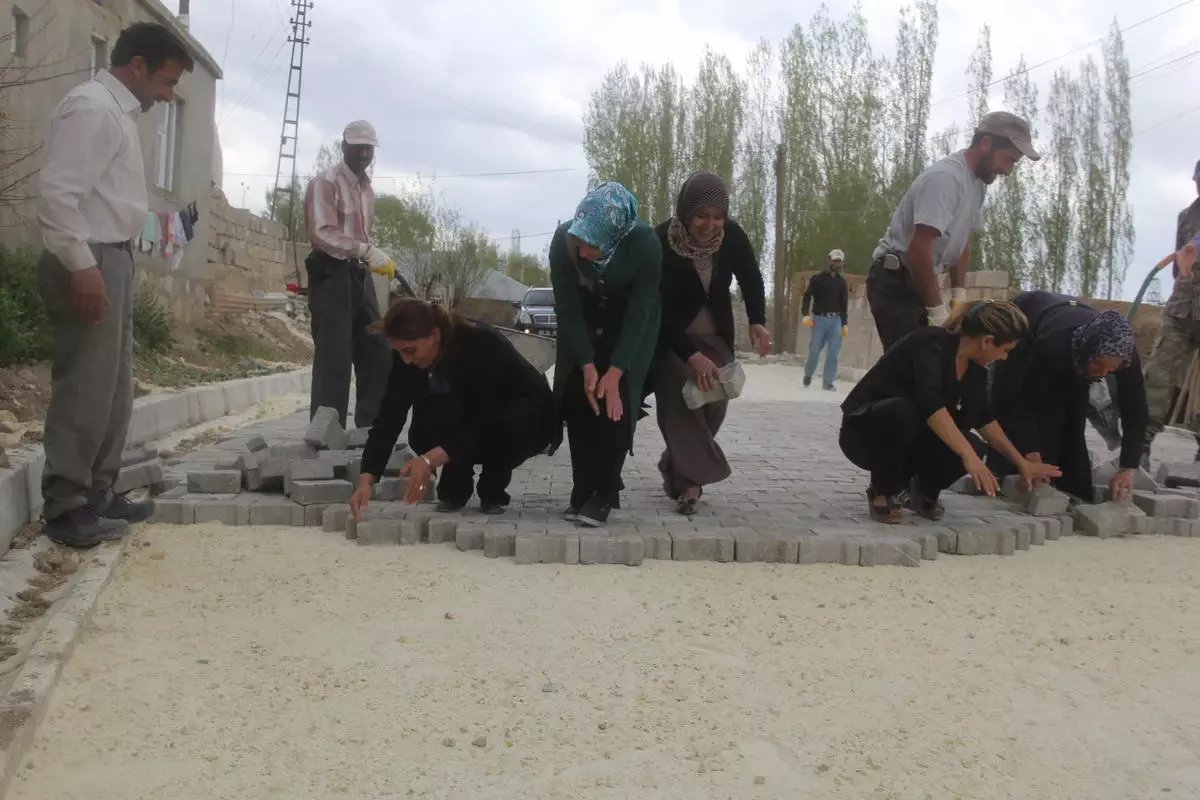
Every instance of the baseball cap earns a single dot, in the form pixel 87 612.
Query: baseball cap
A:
pixel 360 132
pixel 837 255
pixel 1011 127
pixel 1196 174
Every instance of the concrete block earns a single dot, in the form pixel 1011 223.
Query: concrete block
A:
pixel 702 546
pixel 1046 501
pixel 174 512
pixel 315 469
pixel 351 527
pixel 818 549
pixel 215 482
pixel 775 548
pixel 469 537
pixel 325 431
pixel 1143 482
pixel 227 511
pixel 1053 528
pixel 139 476
pixel 357 438
pixel 985 541
pixel 1162 505
pixel 256 443
pixel 413 531
pixel 928 541
pixel 391 489
pixel 396 463
pixel 656 544
pixel 138 455
pixel 1066 524
pixel 276 511
pixel 443 531
pixel 287 452
pixel 380 531
pixel 1183 527
pixel 499 541
pixel 333 520
pixel 1011 487
pixel 535 549
pixel 340 461
pixel 888 551
pixel 1145 526
pixel 1024 533
pixel 308 493
pixel 627 549
pixel 964 485
pixel 314 515
pixel 1102 521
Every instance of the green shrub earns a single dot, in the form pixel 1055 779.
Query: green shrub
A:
pixel 25 333
pixel 153 330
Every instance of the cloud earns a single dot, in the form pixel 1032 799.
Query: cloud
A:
pixel 459 86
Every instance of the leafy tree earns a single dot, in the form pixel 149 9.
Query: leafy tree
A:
pixel 527 269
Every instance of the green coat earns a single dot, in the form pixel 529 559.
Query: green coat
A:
pixel 615 322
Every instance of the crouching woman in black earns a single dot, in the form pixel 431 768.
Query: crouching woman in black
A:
pixel 475 401
pixel 909 420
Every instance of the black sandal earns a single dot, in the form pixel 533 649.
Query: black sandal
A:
pixel 687 505
pixel 890 513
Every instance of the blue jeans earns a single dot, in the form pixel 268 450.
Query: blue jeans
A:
pixel 826 333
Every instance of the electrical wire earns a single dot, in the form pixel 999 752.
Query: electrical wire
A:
pixel 436 177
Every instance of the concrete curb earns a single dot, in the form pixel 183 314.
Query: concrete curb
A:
pixel 25 705
pixel 154 417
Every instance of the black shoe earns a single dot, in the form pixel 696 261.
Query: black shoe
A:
pixel 594 513
pixel 446 507
pixel 807 382
pixel 921 503
pixel 572 513
pixel 81 527
pixel 122 508
pixel 492 509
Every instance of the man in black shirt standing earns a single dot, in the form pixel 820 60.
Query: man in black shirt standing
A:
pixel 828 299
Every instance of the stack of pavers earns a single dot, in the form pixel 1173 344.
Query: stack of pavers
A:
pixel 282 484
pixel 140 469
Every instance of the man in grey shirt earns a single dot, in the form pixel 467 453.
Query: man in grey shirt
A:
pixel 931 229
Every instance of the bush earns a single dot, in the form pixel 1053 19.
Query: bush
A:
pixel 152 326
pixel 25 333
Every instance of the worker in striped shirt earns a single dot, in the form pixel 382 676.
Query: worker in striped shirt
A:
pixel 339 208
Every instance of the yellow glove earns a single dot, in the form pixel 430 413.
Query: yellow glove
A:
pixel 388 270
pixel 845 331
pixel 958 299
pixel 808 322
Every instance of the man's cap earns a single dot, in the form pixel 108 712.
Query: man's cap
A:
pixel 837 255
pixel 1196 174
pixel 360 132
pixel 1011 127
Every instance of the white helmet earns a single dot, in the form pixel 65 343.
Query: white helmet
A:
pixel 837 255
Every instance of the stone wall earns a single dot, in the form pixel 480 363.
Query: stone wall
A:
pixel 246 252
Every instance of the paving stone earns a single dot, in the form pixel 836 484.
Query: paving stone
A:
pixel 821 549
pixel 174 512
pixel 139 476
pixel 286 452
pixel 751 546
pixel 214 482
pixel 1053 528
pixel 702 546
pixel 256 443
pixel 267 476
pixel 985 541
pixel 1066 524
pixel 469 537
pixel 1175 475
pixel 443 531
pixel 276 511
pixel 1161 505
pixel 351 527
pixel 333 520
pixel 138 455
pixel 1046 501
pixel 172 494
pixel 340 461
pixel 1102 521
pixel 657 544
pixel 325 431
pixel 231 510
pixel 627 549
pixel 928 541
pixel 414 530
pixel 1145 526
pixel 1184 527
pixel 890 551
pixel 396 463
pixel 499 541
pixel 314 515
pixel 357 438
pixel 534 549
pixel 391 489
pixel 308 493
pixel 380 531
pixel 309 469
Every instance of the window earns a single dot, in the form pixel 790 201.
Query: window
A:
pixel 20 32
pixel 167 147
pixel 99 55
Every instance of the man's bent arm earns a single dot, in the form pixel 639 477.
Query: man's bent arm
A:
pixel 920 265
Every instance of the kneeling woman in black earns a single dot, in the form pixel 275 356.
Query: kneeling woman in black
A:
pixel 475 401
pixel 909 420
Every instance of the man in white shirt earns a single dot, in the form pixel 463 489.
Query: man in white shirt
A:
pixel 339 208
pixel 931 229
pixel 92 202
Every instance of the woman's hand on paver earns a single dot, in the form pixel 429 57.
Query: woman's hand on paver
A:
pixel 360 500
pixel 984 480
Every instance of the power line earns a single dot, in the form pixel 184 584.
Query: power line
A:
pixel 1147 71
pixel 1067 54
pixel 1160 123
pixel 437 177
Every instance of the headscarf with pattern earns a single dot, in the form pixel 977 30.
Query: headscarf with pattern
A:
pixel 1106 334
pixel 604 217
pixel 701 190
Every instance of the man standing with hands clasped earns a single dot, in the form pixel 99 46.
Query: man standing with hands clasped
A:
pixel 931 229
pixel 92 202
pixel 828 298
pixel 339 208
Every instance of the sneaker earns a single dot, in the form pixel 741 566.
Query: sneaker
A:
pixel 122 508
pixel 571 514
pixel 82 527
pixel 446 507
pixel 807 382
pixel 829 387
pixel 492 509
pixel 594 512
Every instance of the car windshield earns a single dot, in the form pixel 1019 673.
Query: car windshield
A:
pixel 539 297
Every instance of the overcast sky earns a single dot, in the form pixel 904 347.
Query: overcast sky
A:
pixel 466 86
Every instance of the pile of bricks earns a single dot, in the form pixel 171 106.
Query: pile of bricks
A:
pixel 282 484
pixel 140 469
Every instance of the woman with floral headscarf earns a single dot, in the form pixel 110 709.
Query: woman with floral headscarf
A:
pixel 703 252
pixel 1041 392
pixel 604 266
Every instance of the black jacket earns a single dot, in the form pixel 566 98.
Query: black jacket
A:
pixel 483 373
pixel 683 293
pixel 1039 391
pixel 827 294
pixel 921 367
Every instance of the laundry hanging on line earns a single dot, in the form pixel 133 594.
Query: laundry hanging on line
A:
pixel 163 233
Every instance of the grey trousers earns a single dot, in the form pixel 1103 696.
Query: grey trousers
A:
pixel 341 298
pixel 91 394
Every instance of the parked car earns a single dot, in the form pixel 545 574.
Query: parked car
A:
pixel 535 312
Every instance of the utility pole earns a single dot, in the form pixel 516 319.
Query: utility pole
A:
pixel 290 131
pixel 780 255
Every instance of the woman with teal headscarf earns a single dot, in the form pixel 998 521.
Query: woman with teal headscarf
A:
pixel 605 265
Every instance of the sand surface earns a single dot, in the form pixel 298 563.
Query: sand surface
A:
pixel 286 663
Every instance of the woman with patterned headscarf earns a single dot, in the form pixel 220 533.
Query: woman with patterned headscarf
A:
pixel 1041 392
pixel 703 252
pixel 604 267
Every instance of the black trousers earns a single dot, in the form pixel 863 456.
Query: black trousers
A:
pixel 598 445
pixel 502 443
pixel 1060 438
pixel 895 304
pixel 890 439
